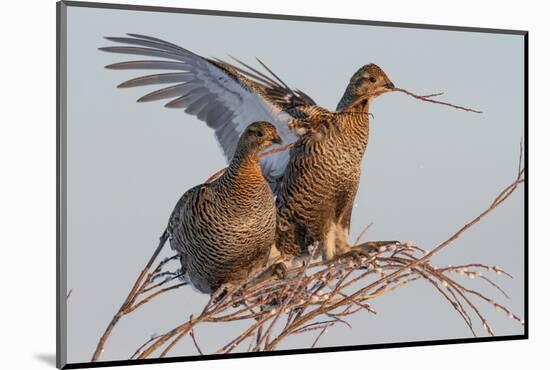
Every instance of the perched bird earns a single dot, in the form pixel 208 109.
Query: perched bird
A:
pixel 224 230
pixel 315 198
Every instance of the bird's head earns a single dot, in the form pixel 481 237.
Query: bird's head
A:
pixel 370 80
pixel 367 83
pixel 261 135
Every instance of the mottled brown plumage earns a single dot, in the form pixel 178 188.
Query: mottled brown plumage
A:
pixel 322 178
pixel 224 230
pixel 317 192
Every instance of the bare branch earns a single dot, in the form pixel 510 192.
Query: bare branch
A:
pixel 320 294
pixel 427 99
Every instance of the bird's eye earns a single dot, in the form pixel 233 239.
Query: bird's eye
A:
pixel 259 134
pixel 372 79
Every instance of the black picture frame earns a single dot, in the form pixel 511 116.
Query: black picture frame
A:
pixel 61 146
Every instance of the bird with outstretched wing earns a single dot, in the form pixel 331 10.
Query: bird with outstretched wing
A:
pixel 226 97
pixel 317 179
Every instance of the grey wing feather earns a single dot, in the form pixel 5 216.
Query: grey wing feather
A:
pixel 214 91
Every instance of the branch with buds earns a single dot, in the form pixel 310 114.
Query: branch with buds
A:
pixel 319 294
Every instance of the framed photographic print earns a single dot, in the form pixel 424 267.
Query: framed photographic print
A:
pixel 236 184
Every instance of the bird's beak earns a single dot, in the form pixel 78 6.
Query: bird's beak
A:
pixel 277 140
pixel 390 86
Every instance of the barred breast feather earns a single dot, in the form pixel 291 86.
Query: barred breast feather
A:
pixel 317 192
pixel 224 230
pixel 321 179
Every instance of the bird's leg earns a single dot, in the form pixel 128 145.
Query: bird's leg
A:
pixel 341 235
pixel 342 226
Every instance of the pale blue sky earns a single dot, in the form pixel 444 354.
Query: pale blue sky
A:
pixel 428 169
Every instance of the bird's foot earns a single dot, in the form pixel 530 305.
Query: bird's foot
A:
pixel 375 247
pixel 379 246
pixel 362 253
pixel 356 256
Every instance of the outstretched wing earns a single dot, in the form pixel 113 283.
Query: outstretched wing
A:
pixel 273 88
pixel 226 97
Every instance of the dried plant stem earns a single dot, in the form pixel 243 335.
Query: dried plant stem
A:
pixel 131 298
pixel 192 334
pixel 358 101
pixel 426 98
pixel 321 294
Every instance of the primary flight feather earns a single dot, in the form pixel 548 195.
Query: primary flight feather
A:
pixel 214 91
pixel 317 180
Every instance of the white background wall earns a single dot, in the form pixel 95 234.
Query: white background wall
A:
pixel 27 190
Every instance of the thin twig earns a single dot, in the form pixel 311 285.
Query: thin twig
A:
pixel 427 99
pixel 332 289
pixel 362 233
pixel 130 299
pixel 192 335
